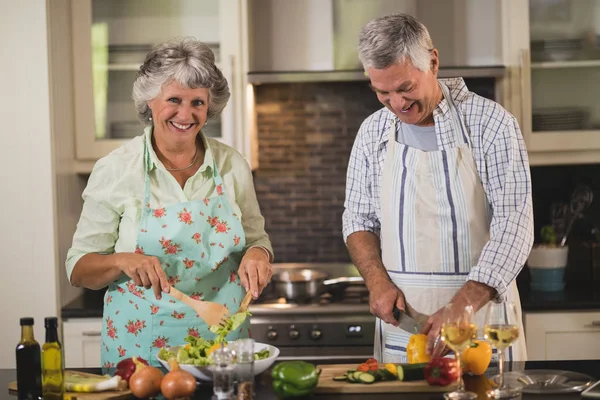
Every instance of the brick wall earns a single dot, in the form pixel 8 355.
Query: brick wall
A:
pixel 305 134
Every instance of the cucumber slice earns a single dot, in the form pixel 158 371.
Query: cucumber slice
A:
pixel 367 378
pixel 340 378
pixel 356 375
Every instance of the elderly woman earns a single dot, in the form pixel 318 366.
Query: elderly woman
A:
pixel 170 208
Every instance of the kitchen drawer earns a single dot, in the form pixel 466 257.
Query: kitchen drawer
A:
pixel 82 342
pixel 563 335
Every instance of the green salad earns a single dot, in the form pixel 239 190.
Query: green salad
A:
pixel 197 350
pixel 233 322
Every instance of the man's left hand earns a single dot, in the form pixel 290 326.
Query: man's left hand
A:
pixel 255 270
pixel 433 329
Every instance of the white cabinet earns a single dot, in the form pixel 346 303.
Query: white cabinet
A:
pixel 552 49
pixel 110 39
pixel 82 342
pixel 324 33
pixel 563 335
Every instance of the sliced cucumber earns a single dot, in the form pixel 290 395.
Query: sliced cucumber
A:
pixel 387 375
pixel 340 378
pixel 367 378
pixel 410 372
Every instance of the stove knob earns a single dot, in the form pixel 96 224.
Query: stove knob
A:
pixel 294 334
pixel 316 334
pixel 272 335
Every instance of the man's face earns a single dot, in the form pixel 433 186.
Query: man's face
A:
pixel 408 92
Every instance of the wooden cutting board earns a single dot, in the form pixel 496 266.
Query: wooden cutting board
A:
pixel 109 394
pixel 328 385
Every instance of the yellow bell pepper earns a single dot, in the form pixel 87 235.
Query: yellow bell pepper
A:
pixel 416 351
pixel 476 358
pixel 391 368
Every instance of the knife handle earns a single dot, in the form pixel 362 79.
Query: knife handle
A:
pixel 396 312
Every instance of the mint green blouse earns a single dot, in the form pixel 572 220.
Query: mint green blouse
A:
pixel 114 195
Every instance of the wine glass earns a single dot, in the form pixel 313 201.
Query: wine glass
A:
pixel 501 330
pixel 458 333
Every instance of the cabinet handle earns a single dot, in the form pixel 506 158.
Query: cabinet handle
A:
pixel 595 323
pixel 91 333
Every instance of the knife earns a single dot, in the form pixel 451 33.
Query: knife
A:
pixel 406 322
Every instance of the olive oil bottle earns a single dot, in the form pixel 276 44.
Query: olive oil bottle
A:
pixel 29 371
pixel 53 376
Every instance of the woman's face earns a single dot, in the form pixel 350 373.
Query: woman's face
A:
pixel 178 113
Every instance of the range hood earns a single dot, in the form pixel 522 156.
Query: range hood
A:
pixel 316 40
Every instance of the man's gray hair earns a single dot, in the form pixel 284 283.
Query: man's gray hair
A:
pixel 187 61
pixel 395 38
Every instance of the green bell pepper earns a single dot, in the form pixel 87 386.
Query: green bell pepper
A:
pixel 294 378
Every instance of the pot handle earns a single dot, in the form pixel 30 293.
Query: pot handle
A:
pixel 335 281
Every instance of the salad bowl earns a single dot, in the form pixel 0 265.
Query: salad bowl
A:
pixel 204 372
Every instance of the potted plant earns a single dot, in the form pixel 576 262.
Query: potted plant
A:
pixel 547 262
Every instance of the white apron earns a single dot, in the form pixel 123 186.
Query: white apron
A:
pixel 435 222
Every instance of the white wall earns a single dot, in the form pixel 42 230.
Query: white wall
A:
pixel 27 237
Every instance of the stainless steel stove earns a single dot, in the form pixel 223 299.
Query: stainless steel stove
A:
pixel 335 325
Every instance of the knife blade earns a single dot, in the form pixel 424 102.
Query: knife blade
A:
pixel 406 322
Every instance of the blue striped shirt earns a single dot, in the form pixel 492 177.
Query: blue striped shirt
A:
pixel 502 162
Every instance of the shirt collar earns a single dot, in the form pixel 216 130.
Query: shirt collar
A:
pixel 458 90
pixel 155 162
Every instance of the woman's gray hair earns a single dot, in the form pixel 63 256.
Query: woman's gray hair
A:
pixel 395 38
pixel 187 61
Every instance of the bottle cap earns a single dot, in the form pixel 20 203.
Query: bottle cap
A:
pixel 50 322
pixel 26 321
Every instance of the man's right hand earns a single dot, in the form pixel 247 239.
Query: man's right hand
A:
pixel 144 270
pixel 383 295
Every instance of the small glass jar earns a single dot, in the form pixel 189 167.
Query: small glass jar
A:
pixel 223 371
pixel 244 356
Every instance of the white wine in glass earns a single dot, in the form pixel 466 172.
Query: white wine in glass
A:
pixel 458 332
pixel 502 330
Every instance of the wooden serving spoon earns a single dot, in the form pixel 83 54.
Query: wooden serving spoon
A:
pixel 212 313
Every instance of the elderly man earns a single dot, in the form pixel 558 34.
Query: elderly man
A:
pixel 438 202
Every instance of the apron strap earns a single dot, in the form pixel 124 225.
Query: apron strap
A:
pixel 147 167
pixel 458 125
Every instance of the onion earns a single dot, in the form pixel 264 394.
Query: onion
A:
pixel 177 383
pixel 145 381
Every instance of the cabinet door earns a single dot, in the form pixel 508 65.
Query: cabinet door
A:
pixel 82 343
pixel 563 336
pixel 110 40
pixel 563 79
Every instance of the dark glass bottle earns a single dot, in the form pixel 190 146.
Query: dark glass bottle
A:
pixel 53 383
pixel 29 368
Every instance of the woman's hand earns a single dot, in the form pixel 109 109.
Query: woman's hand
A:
pixel 144 270
pixel 255 270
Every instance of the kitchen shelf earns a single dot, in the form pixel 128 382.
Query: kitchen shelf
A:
pixel 120 67
pixel 565 64
pixel 565 140
pixel 83 167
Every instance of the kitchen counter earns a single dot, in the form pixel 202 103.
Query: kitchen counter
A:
pixel 572 298
pixel 264 391
pixel 89 304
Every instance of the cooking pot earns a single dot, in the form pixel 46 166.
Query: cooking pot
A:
pixel 307 284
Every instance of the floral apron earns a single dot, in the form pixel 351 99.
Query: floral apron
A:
pixel 435 223
pixel 199 244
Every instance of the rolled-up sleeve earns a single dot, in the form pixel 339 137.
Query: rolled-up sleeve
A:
pixel 97 229
pixel 507 182
pixel 359 207
pixel 252 220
